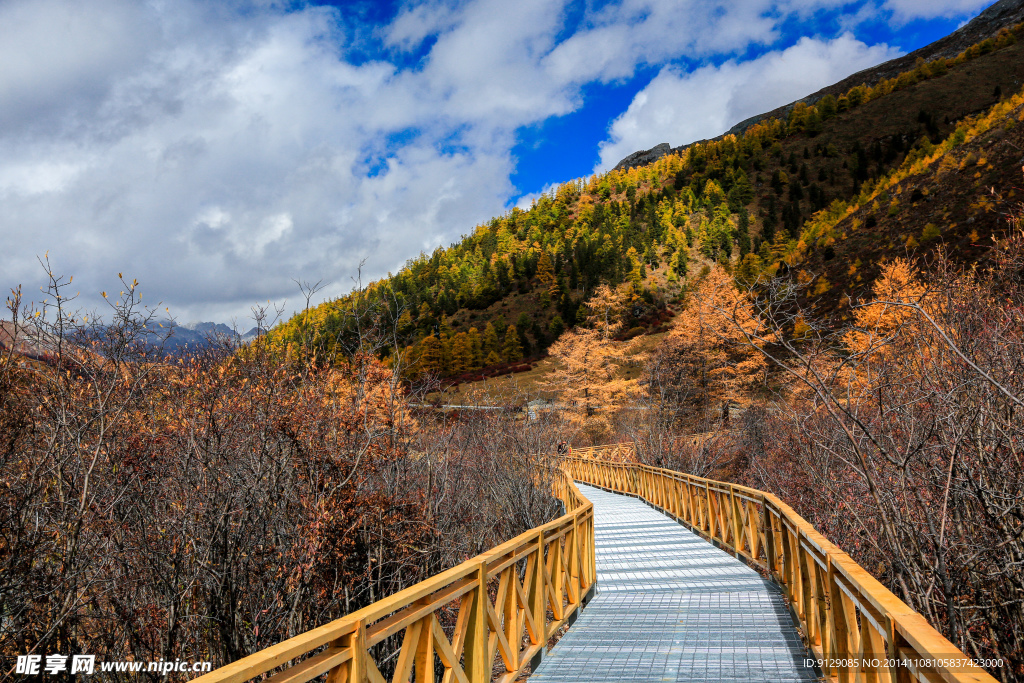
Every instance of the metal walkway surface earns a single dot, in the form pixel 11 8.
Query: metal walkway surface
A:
pixel 672 607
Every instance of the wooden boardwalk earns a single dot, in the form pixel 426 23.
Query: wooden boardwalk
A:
pixel 672 607
pixel 668 607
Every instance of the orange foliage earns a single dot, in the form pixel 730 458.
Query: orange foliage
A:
pixel 589 376
pixel 877 322
pixel 711 338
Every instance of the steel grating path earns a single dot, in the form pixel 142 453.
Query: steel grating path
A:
pixel 672 607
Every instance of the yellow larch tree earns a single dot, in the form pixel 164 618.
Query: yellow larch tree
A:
pixel 889 327
pixel 589 377
pixel 884 316
pixel 546 275
pixel 709 346
pixel 512 349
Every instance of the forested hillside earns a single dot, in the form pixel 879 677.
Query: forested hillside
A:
pixel 822 191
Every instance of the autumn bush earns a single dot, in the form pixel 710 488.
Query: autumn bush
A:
pixel 211 506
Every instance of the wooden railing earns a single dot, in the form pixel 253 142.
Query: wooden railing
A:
pixel 851 622
pixel 501 608
pixel 613 452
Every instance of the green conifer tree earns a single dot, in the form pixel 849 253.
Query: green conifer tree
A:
pixel 431 356
pixel 476 348
pixel 557 327
pixel 512 349
pixel 491 343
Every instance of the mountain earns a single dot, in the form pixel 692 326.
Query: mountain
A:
pixel 164 337
pixel 195 331
pixel 985 26
pixel 955 195
pixel 173 338
pixel 827 192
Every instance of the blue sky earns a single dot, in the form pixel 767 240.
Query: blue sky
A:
pixel 217 151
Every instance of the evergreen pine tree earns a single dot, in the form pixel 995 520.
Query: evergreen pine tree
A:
pixel 557 327
pixel 512 349
pixel 523 324
pixel 476 348
pixel 462 354
pixel 743 232
pixel 682 261
pixel 490 341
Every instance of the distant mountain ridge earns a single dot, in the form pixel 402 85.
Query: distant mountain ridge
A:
pixel 1000 15
pixel 174 337
pixel 163 336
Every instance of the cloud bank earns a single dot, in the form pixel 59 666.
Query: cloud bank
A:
pixel 216 151
pixel 907 10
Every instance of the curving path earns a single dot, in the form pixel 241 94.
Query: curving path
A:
pixel 672 607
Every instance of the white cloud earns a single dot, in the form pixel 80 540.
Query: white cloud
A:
pixel 55 53
pixel 908 10
pixel 528 200
pixel 218 150
pixel 679 108
pixel 414 24
pixel 226 159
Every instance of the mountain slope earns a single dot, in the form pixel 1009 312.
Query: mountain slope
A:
pixel 985 26
pixel 955 197
pixel 767 200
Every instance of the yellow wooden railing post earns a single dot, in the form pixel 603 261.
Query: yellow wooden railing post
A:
pixel 890 648
pixel 509 616
pixel 477 668
pixel 538 592
pixel 734 513
pixel 769 539
pixel 554 564
pixel 574 559
pixel 341 673
pixel 673 497
pixel 356 669
pixel 829 632
pixel 424 657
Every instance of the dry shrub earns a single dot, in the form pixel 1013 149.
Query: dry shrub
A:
pixel 207 507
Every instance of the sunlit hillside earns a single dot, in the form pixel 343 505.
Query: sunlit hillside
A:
pixel 821 192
